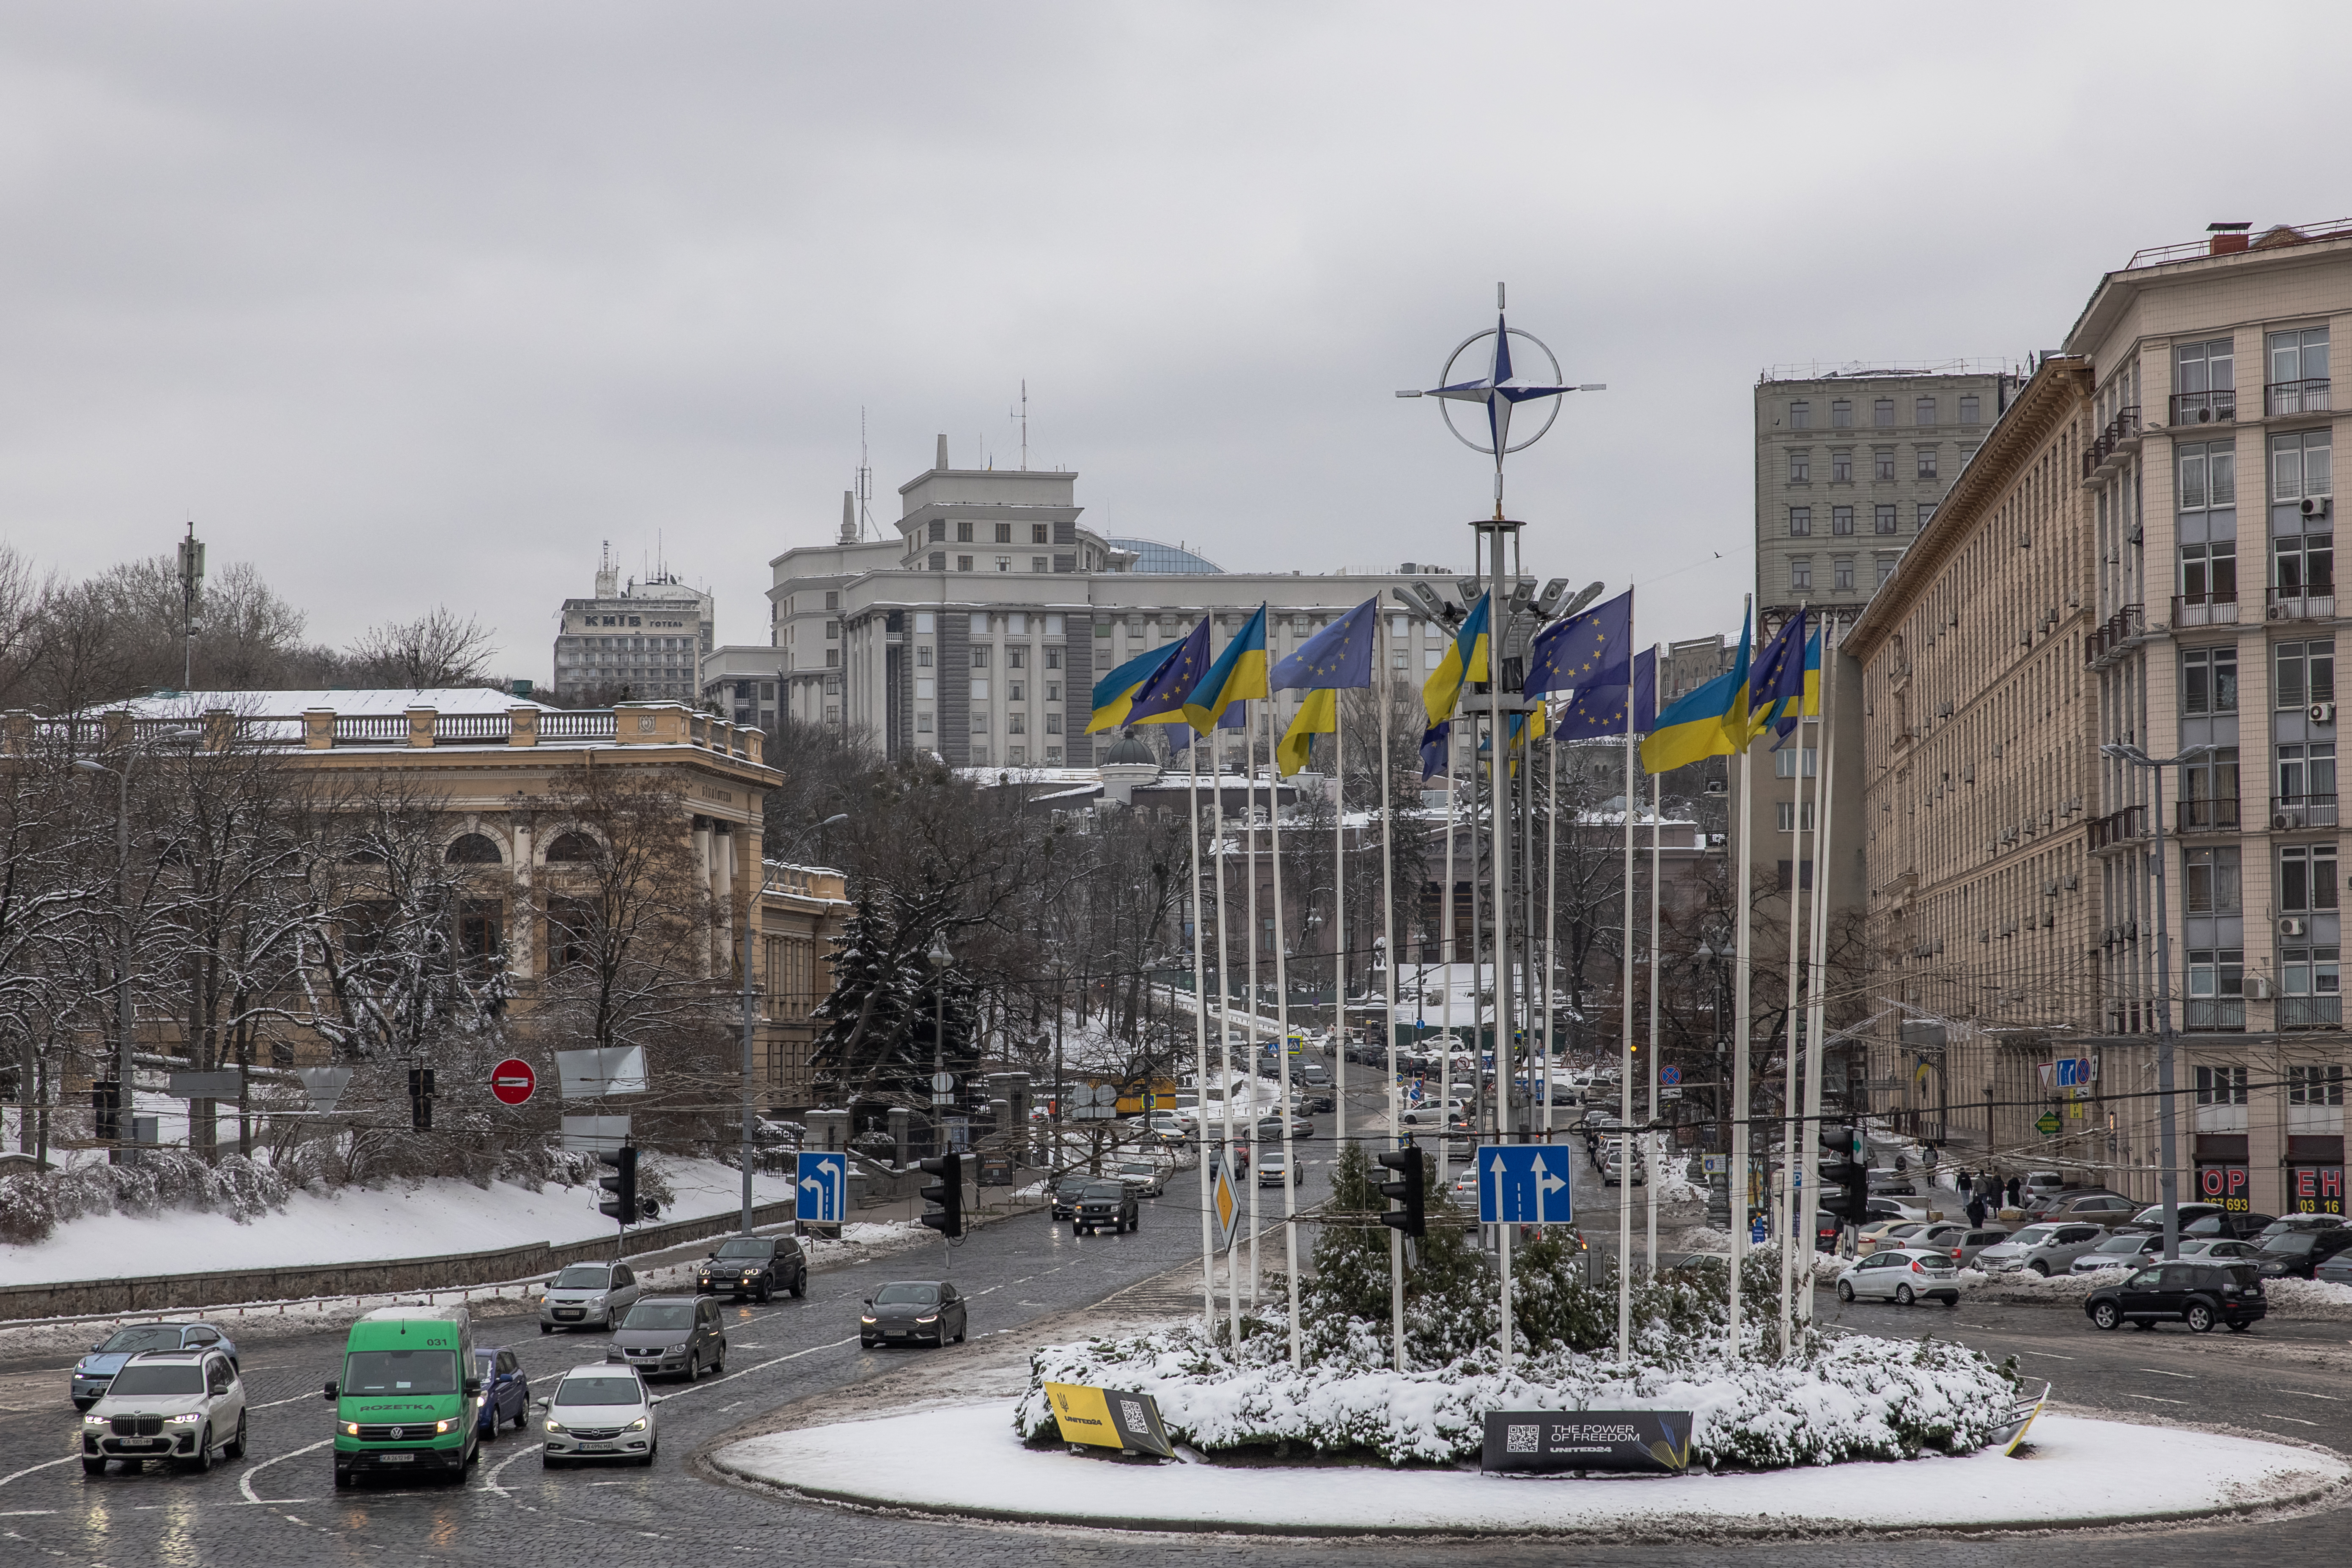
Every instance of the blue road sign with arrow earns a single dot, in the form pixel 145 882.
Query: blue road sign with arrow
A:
pixel 1523 1184
pixel 822 1196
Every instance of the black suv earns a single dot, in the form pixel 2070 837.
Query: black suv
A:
pixel 1106 1205
pixel 2298 1252
pixel 2198 1294
pixel 754 1265
pixel 1067 1190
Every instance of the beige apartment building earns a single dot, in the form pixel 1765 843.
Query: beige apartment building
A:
pixel 2191 503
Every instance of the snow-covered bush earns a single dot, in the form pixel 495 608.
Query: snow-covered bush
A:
pixel 34 1204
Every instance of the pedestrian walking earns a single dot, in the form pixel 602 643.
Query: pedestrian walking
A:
pixel 2015 1186
pixel 1977 1210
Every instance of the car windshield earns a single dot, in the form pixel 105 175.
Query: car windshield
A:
pixel 1136 1168
pixel 907 1296
pixel 1106 1190
pixel 599 1391
pixel 2121 1244
pixel 147 1337
pixel 2033 1235
pixel 165 1377
pixel 582 1277
pixel 2293 1241
pixel 1073 1185
pixel 744 1247
pixel 660 1315
pixel 400 1371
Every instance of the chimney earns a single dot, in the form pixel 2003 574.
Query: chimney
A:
pixel 849 517
pixel 939 466
pixel 2229 239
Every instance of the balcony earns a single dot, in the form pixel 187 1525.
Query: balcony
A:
pixel 2294 813
pixel 2119 828
pixel 2314 602
pixel 2120 434
pixel 2217 814
pixel 2202 1012
pixel 2205 609
pixel 2120 630
pixel 2205 408
pixel 2310 1012
pixel 2306 397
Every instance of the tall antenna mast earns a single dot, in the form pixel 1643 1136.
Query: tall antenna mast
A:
pixel 865 477
pixel 192 587
pixel 1024 423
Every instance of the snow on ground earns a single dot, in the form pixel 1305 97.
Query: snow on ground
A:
pixel 361 1224
pixel 2076 1471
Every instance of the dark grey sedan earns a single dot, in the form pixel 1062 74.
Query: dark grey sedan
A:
pixel 675 1336
pixel 910 1312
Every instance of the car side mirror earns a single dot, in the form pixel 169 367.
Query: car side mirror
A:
pixel 539 1405
pixel 473 1385
pixel 334 1389
pixel 98 1347
pixel 712 1253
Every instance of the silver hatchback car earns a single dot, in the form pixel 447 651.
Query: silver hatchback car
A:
pixel 2043 1250
pixel 588 1296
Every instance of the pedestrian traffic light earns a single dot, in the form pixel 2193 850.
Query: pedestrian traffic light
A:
pixel 622 1184
pixel 947 1192
pixel 106 1107
pixel 420 1098
pixel 1842 1167
pixel 1412 1190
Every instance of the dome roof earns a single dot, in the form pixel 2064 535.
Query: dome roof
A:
pixel 1130 750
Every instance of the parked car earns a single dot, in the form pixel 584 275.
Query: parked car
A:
pixel 1615 1160
pixel 94 1371
pixel 588 1296
pixel 2297 1254
pixel 1106 1206
pixel 598 1413
pixel 671 1336
pixel 2101 1208
pixel 756 1265
pixel 2298 1222
pixel 2230 1250
pixel 1880 1211
pixel 1891 1232
pixel 2336 1270
pixel 2152 1217
pixel 506 1390
pixel 2043 1250
pixel 1932 1205
pixel 914 1310
pixel 1902 1274
pixel 2125 1249
pixel 1148 1177
pixel 178 1404
pixel 1273 1169
pixel 1173 1126
pixel 1972 1242
pixel 2198 1294
pixel 1067 1191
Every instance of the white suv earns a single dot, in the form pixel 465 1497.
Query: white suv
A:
pixel 184 1405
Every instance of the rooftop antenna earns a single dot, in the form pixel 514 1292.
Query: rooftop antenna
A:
pixel 1024 423
pixel 192 587
pixel 865 477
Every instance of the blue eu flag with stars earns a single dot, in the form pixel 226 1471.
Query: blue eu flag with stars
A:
pixel 1595 648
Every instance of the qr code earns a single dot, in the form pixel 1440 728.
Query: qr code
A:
pixel 1520 1439
pixel 1131 1412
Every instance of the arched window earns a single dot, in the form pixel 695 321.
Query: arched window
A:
pixel 473 849
pixel 571 846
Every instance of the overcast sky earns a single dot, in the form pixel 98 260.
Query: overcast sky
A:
pixel 420 303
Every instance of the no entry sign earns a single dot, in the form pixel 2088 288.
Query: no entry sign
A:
pixel 512 1080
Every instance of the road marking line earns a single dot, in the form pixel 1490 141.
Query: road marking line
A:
pixel 29 1513
pixel 2053 1355
pixel 697 1387
pixel 2152 1398
pixel 2186 1377
pixel 2306 1394
pixel 45 1464
pixel 491 1480
pixel 244 1481
pixel 2298 1420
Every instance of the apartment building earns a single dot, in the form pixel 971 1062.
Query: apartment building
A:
pixel 978 632
pixel 646 639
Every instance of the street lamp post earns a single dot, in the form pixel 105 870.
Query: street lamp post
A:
pixel 125 1124
pixel 940 958
pixel 2168 1183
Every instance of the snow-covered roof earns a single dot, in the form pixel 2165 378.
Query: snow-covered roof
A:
pixel 384 703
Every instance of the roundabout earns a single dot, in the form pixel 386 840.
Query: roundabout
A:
pixel 964 1461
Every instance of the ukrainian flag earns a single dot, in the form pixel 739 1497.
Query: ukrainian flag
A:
pixel 1710 721
pixel 1318 715
pixel 1238 674
pixel 1114 694
pixel 1465 661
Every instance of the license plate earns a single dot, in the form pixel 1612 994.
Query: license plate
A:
pixel 395 1458
pixel 570 1313
pixel 595 1448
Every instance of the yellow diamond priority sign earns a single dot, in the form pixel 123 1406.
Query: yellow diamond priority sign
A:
pixel 1225 1204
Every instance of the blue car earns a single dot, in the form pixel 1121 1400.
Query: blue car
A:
pixel 94 1374
pixel 505 1391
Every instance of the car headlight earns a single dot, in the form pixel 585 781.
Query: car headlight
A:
pixel 351 1428
pixel 98 1420
pixel 929 1318
pixel 188 1419
pixel 637 1425
pixel 865 1316
pixel 443 1426
pixel 553 1425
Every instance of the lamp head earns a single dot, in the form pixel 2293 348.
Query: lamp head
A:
pixel 939 955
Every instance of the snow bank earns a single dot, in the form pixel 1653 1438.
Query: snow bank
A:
pixel 1852 1397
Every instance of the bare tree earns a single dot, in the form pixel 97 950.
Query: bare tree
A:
pixel 436 649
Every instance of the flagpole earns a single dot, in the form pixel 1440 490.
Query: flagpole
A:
pixel 1551 920
pixel 1446 958
pixel 1383 684
pixel 1340 916
pixel 1742 946
pixel 1249 875
pixel 1282 1036
pixel 1629 1150
pixel 1201 1051
pixel 1657 785
pixel 1825 794
pixel 1225 1033
pixel 1791 1194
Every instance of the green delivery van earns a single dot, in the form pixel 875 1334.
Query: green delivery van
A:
pixel 408 1399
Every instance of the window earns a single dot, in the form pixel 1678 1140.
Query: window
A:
pixel 1785 813
pixel 1801 468
pixel 1972 409
pixel 480 928
pixel 1882 413
pixel 1053 756
pixel 1039 564
pixel 2307 878
pixel 1882 462
pixel 979 655
pixel 2204 380
pixel 1800 416
pixel 1927 462
pixel 978 722
pixel 570 932
pixel 2298 382
pixel 980 753
pixel 1887 568
pixel 2209 572
pixel 1016 624
pixel 1040 533
pixel 963 533
pixel 2307 673
pixel 2222 1086
pixel 833 686
pixel 963 563
pixel 1923 411
pixel 1926 513
pixel 833 631
pixel 2307 776
pixel 1015 724
pixel 1842 574
pixel 472 849
pixel 2211 884
pixel 978 693
pixel 1805 877
pixel 2303 564
pixel 924 688
pixel 1800 521
pixel 1784 763
pixel 1431 657
pixel 2209 475
pixel 2309 1084
pixel 1016 657
pixel 923 722
pixel 980 623
pixel 1015 754
pixel 1841 413
pixel 2217 971
pixel 1052 723
pixel 1004 563
pixel 938 530
pixel 1053 655
pixel 2302 463
pixel 1800 572
pixel 1014 690
pixel 1882 518
pixel 1004 534
pixel 833 658
pixel 1842 468
pixel 923 657
pixel 1841 521
pixel 1053 626
pixel 1053 691
pixel 2209 681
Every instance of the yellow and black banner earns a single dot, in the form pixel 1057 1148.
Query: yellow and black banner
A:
pixel 1110 1418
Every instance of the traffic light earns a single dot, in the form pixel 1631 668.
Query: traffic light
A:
pixel 622 1184
pixel 420 1098
pixel 947 1192
pixel 106 1104
pixel 1842 1166
pixel 1410 1190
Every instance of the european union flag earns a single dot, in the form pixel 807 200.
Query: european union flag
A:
pixel 1599 711
pixel 1776 684
pixel 1436 745
pixel 1340 654
pixel 1594 649
pixel 1161 699
pixel 1180 735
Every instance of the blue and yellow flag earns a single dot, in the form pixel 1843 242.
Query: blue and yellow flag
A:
pixel 1114 694
pixel 1711 720
pixel 1318 715
pixel 1594 649
pixel 1783 719
pixel 1465 661
pixel 1778 678
pixel 1238 674
pixel 1436 748
pixel 1340 654
pixel 1161 698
